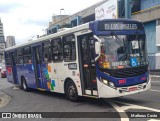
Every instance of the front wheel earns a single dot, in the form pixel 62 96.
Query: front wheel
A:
pixel 71 91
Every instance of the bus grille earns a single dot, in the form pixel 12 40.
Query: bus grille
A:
pixel 128 72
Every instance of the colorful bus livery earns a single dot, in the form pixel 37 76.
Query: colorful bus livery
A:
pixel 100 59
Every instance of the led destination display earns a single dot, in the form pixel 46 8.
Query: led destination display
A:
pixel 104 26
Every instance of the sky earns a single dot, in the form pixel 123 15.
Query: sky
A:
pixel 25 19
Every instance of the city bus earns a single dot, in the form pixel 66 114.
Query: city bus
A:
pixel 100 59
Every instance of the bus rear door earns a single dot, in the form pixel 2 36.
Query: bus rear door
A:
pixel 37 65
pixel 13 65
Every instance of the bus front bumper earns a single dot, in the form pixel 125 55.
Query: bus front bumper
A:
pixel 108 92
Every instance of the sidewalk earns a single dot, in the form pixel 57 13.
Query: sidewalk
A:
pixel 4 99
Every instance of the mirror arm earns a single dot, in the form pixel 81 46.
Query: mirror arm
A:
pixel 99 41
pixel 97 57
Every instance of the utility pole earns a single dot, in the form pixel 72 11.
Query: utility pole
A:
pixel 128 9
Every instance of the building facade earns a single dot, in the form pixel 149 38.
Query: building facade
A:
pixel 150 16
pixel 10 41
pixel 147 11
pixel 2 42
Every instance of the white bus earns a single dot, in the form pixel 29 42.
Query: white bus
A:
pixel 100 59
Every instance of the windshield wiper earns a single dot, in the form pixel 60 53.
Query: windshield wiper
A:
pixel 117 39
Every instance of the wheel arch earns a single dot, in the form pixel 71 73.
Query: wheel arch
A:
pixel 68 79
pixel 22 79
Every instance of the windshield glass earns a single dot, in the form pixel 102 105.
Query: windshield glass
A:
pixel 122 51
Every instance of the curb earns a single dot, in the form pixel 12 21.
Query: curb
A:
pixel 4 99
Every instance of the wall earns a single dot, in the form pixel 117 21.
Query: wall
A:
pixel 157 34
pixel 149 3
pixel 150 29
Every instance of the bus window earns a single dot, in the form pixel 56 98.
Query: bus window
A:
pixel 27 55
pixel 69 49
pixel 57 50
pixel 20 56
pixel 46 52
pixel 8 61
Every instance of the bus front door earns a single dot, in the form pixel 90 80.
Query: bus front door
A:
pixel 14 69
pixel 37 65
pixel 87 65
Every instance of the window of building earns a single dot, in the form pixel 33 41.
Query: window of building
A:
pixel 69 48
pixel 19 59
pixel 27 55
pixel 1 39
pixel 57 50
pixel 46 51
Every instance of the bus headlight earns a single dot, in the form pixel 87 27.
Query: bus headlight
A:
pixel 108 83
pixel 105 81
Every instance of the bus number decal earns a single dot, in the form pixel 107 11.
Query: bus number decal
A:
pixel 72 66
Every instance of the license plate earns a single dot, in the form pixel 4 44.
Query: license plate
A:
pixel 132 89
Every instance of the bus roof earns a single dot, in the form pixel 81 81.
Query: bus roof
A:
pixel 55 35
pixel 65 32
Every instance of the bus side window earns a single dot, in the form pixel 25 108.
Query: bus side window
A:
pixel 57 50
pixel 8 60
pixel 27 55
pixel 19 56
pixel 69 48
pixel 46 51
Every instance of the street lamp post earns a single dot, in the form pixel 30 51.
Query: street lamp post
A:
pixel 43 31
pixel 127 8
pixel 62 10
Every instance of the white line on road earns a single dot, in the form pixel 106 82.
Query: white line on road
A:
pixel 119 111
pixel 129 106
pixel 154 90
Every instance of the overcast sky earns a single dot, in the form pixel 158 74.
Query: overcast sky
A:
pixel 25 19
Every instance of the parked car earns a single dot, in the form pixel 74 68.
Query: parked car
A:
pixel 3 71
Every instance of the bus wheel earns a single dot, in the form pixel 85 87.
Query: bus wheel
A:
pixel 71 91
pixel 24 84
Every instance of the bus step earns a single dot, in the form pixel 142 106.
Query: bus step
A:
pixel 92 96
pixel 41 89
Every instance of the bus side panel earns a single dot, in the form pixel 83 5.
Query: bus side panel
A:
pixel 9 74
pixel 45 77
pixel 63 72
pixel 50 77
pixel 20 72
pixel 27 72
pixel 29 75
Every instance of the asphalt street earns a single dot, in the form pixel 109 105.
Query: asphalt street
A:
pixel 38 101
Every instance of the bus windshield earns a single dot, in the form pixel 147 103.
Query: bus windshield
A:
pixel 122 51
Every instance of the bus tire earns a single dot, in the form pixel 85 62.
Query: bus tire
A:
pixel 71 91
pixel 24 85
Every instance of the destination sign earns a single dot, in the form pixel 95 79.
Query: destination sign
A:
pixel 104 26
